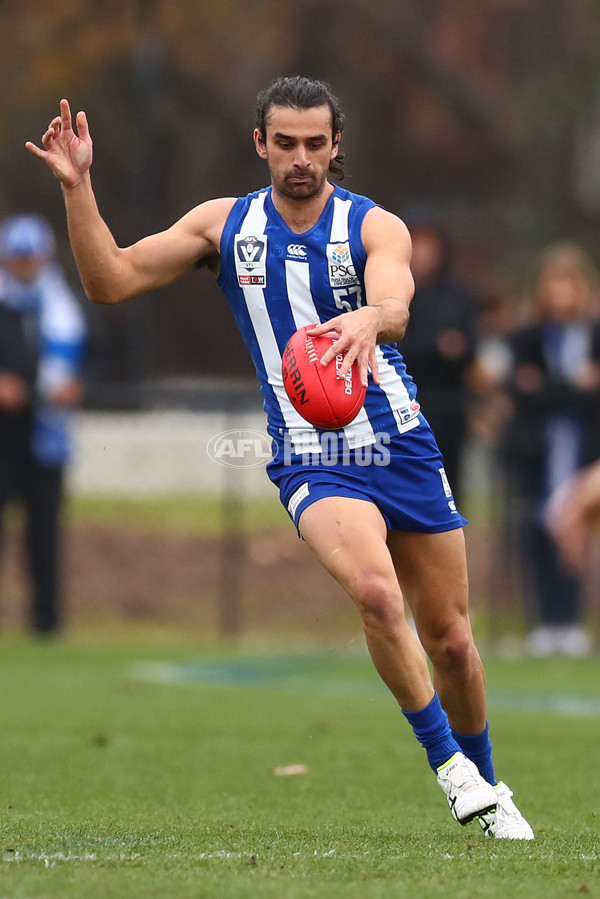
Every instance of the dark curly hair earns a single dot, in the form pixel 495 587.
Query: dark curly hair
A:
pixel 302 93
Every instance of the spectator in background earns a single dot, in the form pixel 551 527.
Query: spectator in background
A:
pixel 42 337
pixel 439 345
pixel 554 430
pixel 572 516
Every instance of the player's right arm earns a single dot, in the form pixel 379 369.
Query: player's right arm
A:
pixel 112 274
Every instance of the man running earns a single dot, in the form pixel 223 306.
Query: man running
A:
pixel 385 530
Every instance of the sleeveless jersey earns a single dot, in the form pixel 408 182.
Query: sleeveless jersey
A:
pixel 276 281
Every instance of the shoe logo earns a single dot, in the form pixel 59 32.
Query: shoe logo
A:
pixel 485 823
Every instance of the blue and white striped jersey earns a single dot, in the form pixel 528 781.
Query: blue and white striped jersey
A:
pixel 277 281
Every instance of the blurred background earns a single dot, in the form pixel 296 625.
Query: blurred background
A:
pixel 479 124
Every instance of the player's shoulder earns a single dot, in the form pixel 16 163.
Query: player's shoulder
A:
pixel 205 221
pixel 215 213
pixel 381 226
pixel 211 212
pixel 376 221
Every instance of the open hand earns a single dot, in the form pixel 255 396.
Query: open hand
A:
pixel 68 154
pixel 357 339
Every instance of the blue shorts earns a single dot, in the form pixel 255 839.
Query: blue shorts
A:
pixel 403 476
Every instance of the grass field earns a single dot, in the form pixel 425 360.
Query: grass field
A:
pixel 196 515
pixel 139 767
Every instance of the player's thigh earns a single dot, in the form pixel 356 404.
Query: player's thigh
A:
pixel 348 536
pixel 432 572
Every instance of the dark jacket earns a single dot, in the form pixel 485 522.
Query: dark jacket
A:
pixel 556 396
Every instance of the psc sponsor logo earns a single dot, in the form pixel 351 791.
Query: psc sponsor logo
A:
pixel 341 268
pixel 341 253
pixel 297 251
pixel 240 448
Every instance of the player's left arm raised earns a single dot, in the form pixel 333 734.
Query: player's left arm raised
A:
pixel 389 289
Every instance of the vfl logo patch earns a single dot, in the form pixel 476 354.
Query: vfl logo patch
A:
pixel 341 268
pixel 250 260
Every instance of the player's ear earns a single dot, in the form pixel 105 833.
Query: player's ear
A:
pixel 336 145
pixel 260 144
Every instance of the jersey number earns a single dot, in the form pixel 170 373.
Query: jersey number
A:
pixel 345 304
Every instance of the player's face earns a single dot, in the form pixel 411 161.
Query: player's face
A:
pixel 298 148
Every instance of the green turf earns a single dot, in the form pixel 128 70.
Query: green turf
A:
pixel 115 784
pixel 195 515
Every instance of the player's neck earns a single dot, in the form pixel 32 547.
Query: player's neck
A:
pixel 300 215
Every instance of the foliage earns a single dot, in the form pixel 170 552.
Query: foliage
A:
pixel 486 115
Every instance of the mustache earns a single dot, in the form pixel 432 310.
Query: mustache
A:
pixel 300 173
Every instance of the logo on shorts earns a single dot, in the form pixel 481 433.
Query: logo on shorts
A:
pixel 445 482
pixel 341 268
pixel 297 497
pixel 409 412
pixel 250 260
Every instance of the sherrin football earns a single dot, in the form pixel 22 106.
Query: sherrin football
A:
pixel 317 393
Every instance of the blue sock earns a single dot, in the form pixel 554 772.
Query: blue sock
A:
pixel 478 748
pixel 431 728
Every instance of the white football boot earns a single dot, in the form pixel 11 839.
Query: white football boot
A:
pixel 507 822
pixel 468 794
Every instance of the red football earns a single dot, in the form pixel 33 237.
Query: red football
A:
pixel 320 397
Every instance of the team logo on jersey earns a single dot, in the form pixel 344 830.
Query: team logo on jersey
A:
pixel 251 260
pixel 341 268
pixel 297 251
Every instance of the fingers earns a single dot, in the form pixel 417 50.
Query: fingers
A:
pixel 374 366
pixel 82 126
pixel 48 137
pixel 60 124
pixel 52 132
pixel 65 116
pixel 355 343
pixel 334 350
pixel 350 355
pixel 363 373
pixel 364 357
pixel 351 351
pixel 323 328
pixel 35 150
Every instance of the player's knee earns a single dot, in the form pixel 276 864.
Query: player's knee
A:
pixel 452 648
pixel 379 605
